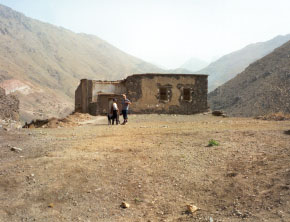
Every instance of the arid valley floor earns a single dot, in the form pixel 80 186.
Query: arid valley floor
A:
pixel 157 163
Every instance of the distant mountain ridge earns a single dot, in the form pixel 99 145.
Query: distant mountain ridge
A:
pixel 50 61
pixel 179 71
pixel 263 88
pixel 194 64
pixel 228 66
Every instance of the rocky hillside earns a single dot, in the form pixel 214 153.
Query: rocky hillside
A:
pixel 264 87
pixel 228 66
pixel 49 61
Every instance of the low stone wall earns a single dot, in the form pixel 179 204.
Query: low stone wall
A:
pixel 9 106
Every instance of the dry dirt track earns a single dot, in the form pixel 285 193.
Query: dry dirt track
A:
pixel 158 164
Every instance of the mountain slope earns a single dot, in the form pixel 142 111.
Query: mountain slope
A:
pixel 51 60
pixel 230 65
pixel 179 71
pixel 263 88
pixel 194 64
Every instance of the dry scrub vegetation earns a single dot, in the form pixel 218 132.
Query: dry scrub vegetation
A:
pixel 158 164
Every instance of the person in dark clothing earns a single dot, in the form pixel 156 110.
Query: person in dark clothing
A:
pixel 115 111
pixel 110 117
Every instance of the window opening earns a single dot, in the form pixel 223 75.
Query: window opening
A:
pixel 163 93
pixel 186 94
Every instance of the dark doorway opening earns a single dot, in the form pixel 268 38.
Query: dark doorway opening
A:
pixel 186 94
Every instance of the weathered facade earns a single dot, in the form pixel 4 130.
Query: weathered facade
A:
pixel 149 93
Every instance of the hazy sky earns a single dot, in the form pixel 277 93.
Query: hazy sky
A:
pixel 166 32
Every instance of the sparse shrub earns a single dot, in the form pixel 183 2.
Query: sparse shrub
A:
pixel 213 142
pixel 138 200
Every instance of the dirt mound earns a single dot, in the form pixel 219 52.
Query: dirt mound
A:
pixel 74 119
pixel 9 106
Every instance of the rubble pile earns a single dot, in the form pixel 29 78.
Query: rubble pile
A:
pixel 9 124
pixel 9 106
pixel 74 119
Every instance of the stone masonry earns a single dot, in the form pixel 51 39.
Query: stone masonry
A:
pixel 149 93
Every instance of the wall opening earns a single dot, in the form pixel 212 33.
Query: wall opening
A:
pixel 186 94
pixel 163 93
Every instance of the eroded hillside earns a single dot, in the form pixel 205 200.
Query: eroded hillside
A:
pixel 263 88
pixel 228 66
pixel 51 60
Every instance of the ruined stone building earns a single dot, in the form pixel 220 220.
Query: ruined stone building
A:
pixel 149 93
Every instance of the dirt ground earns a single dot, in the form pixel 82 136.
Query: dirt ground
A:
pixel 157 163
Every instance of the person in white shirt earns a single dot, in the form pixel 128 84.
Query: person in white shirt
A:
pixel 115 111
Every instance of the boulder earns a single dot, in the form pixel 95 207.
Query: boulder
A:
pixel 217 113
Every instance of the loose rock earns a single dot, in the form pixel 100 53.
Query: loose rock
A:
pixel 217 113
pixel 15 149
pixel 191 208
pixel 125 205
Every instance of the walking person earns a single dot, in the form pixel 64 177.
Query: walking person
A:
pixel 125 107
pixel 115 111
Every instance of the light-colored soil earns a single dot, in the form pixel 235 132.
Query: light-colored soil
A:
pixel 157 163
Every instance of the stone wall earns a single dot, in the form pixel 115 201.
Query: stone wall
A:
pixel 78 99
pixel 9 106
pixel 83 96
pixel 103 104
pixel 149 93
pixel 109 87
pixel 88 99
pixel 144 92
